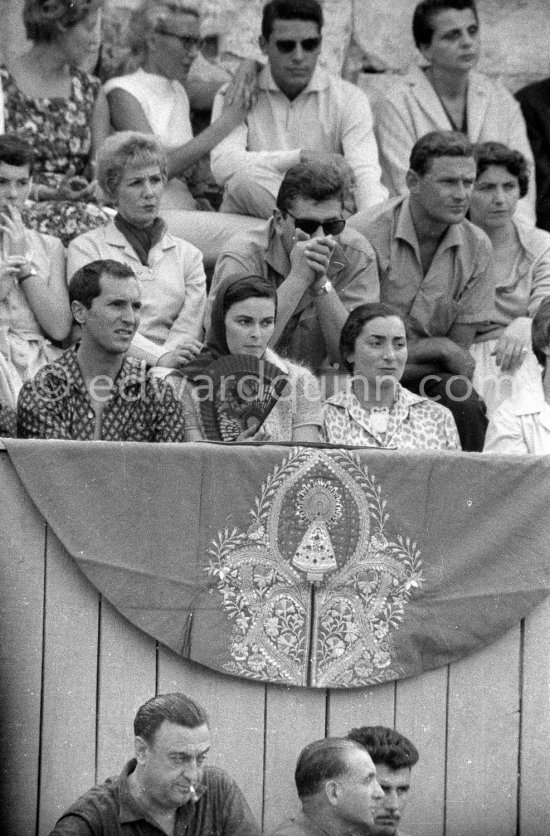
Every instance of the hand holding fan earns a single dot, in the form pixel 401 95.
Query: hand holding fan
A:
pixel 242 391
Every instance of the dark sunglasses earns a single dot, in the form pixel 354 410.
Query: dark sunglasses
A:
pixel 188 42
pixel 334 226
pixel 308 45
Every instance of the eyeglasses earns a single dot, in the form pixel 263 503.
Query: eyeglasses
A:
pixel 188 42
pixel 333 226
pixel 308 45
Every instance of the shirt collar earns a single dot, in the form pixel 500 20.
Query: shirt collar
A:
pixel 404 229
pixel 346 398
pixel 318 81
pixel 276 256
pixel 130 808
pixel 129 369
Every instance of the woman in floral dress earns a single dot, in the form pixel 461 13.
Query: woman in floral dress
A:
pixel 52 104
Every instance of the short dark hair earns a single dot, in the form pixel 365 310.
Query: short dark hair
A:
pixel 42 18
pixel 496 153
pixel 174 708
pixel 320 761
pixel 252 286
pixel 438 144
pixel 290 10
pixel 540 331
pixel 386 746
pixel 316 181
pixel 423 18
pixel 355 323
pixel 85 286
pixel 16 151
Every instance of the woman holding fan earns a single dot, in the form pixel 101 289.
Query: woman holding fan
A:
pixel 243 319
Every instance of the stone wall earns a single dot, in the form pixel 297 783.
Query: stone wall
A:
pixel 366 33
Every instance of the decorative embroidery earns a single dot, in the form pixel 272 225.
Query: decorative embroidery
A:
pixel 314 586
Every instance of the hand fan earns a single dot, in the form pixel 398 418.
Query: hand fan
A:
pixel 236 392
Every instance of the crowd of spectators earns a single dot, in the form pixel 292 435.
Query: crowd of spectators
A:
pixel 385 260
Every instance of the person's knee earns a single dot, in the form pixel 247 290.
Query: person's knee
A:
pixel 247 193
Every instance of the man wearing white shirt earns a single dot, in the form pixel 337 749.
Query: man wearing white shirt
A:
pixel 301 114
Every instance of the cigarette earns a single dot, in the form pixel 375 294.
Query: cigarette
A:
pixel 192 793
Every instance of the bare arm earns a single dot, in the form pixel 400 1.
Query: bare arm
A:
pixel 40 275
pixel 48 297
pixel 128 115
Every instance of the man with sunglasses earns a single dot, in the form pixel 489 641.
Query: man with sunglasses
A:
pixel 301 114
pixel 322 269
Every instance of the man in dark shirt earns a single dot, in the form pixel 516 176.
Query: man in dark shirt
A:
pixel 166 788
pixel 93 391
pixel 535 106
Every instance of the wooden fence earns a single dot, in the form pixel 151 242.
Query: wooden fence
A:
pixel 74 671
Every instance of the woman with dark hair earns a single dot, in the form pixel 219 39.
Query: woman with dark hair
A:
pixel 243 320
pixel 502 347
pixel 34 302
pixel 376 411
pixel 446 93
pixel 50 102
pixel 522 422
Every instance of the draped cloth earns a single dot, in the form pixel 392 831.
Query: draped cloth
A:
pixel 315 566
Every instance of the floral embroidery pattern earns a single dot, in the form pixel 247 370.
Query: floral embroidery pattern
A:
pixel 314 586
pixel 60 132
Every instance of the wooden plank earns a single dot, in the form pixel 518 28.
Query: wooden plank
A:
pixel 535 748
pixel 360 707
pixel 22 550
pixel 483 741
pixel 236 711
pixel 294 717
pixel 68 765
pixel 421 716
pixel 127 676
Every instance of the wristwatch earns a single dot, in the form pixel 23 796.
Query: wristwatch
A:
pixel 326 287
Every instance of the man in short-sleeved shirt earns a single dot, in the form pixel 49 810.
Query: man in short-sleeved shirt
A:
pixel 166 788
pixel 436 268
pixel 94 391
pixel 320 277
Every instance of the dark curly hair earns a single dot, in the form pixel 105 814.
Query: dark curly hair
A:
pixel 42 18
pixel 355 323
pixel 496 153
pixel 386 746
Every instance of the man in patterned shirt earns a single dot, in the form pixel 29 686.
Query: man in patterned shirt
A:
pixel 94 391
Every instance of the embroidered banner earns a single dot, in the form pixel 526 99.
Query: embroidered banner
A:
pixel 313 566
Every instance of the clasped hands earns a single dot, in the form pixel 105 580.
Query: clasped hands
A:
pixel 310 257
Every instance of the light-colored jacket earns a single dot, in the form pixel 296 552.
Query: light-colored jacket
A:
pixel 173 286
pixel 411 108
